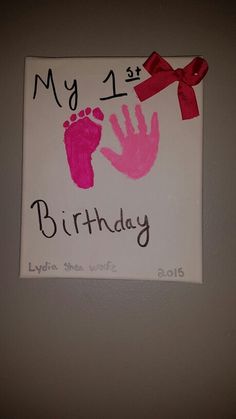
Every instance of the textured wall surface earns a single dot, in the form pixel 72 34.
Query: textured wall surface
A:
pixel 94 349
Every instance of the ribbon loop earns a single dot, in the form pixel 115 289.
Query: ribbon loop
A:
pixel 162 74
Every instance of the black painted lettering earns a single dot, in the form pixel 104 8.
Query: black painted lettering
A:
pixel 89 221
pixel 120 222
pixel 129 224
pixel 73 100
pixel 114 93
pixel 46 84
pixel 75 216
pixel 64 226
pixel 101 220
pixel 146 226
pixel 42 208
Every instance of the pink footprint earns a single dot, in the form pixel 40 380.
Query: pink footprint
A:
pixel 82 136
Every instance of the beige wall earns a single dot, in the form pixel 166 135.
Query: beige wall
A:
pixel 105 349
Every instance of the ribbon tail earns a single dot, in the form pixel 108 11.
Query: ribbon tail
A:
pixel 187 101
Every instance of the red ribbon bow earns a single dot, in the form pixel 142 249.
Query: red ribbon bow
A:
pixel 162 74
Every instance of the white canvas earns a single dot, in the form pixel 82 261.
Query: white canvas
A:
pixel 153 213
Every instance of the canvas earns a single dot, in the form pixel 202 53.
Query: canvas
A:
pixel 112 185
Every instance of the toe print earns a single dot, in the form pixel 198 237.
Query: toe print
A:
pixel 82 137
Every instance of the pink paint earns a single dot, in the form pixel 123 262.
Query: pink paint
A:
pixel 73 117
pixel 81 140
pixel 88 111
pixel 139 149
pixel 97 113
pixel 66 124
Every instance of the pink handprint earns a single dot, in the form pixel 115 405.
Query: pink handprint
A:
pixel 139 149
